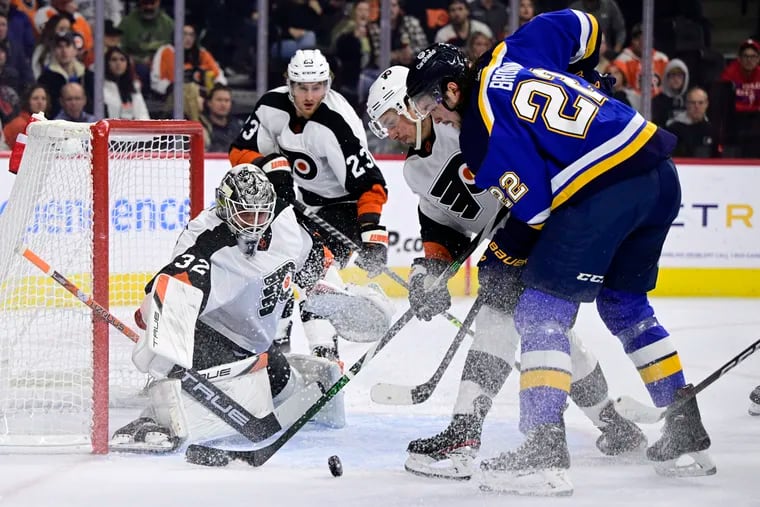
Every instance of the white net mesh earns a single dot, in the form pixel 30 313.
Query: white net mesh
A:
pixel 46 334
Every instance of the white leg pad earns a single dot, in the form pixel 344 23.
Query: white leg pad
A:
pixel 319 332
pixel 324 372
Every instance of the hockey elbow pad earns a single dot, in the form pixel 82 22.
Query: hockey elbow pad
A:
pixel 277 169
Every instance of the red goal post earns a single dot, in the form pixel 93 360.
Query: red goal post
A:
pixel 104 203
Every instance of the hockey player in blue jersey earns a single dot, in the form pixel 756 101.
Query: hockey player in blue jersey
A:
pixel 592 193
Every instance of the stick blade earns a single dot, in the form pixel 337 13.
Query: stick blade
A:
pixel 391 394
pixel 638 412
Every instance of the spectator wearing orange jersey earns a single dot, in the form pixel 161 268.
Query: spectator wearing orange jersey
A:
pixel 80 25
pixel 629 62
pixel 744 74
pixel 200 66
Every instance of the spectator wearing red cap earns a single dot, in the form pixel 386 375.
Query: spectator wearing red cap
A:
pixel 744 73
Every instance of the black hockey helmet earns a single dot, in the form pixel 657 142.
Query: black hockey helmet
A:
pixel 434 67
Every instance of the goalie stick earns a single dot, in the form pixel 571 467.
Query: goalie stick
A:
pixel 349 243
pixel 395 394
pixel 647 414
pixel 193 383
pixel 211 456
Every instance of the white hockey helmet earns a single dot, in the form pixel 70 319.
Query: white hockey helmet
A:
pixel 245 200
pixel 308 66
pixel 386 93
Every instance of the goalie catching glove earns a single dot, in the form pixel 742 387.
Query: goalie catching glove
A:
pixel 428 303
pixel 374 254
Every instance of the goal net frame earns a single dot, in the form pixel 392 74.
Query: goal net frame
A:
pixel 102 134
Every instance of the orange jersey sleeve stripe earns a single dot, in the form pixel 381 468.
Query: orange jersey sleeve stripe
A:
pixel 371 201
pixel 239 156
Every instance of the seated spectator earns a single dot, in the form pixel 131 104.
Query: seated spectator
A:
pixel 672 100
pixel 742 130
pixel 629 62
pixel 9 76
pixel 354 51
pixel 10 104
pixel 493 13
pixel 111 35
pixel 461 25
pixel 15 57
pixel 43 52
pixel 73 100
pixel 221 128
pixel 477 44
pixel 80 25
pixel 34 100
pixel 610 19
pixel 407 38
pixel 296 22
pixel 359 15
pixel 696 135
pixel 65 68
pixel 112 10
pixel 144 30
pixel 20 29
pixel 200 66
pixel 604 62
pixel 744 73
pixel 621 90
pixel 121 88
pixel 525 12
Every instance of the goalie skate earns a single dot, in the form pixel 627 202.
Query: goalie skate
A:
pixel 537 468
pixel 144 435
pixel 449 454
pixel 681 451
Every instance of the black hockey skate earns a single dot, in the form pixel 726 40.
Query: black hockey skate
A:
pixel 754 398
pixel 619 435
pixel 539 467
pixel 144 435
pixel 683 435
pixel 450 453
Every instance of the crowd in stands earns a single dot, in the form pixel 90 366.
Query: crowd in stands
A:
pixel 709 100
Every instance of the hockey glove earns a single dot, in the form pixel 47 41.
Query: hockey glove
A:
pixel 374 254
pixel 277 169
pixel 428 303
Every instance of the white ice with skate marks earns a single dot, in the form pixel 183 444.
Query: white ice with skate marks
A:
pixel 372 446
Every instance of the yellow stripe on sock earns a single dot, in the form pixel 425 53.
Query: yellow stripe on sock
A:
pixel 545 378
pixel 661 369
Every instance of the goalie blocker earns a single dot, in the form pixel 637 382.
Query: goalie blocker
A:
pixel 258 383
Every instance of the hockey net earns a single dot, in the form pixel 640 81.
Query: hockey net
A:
pixel 103 204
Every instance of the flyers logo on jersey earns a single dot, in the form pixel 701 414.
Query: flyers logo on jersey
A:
pixel 278 285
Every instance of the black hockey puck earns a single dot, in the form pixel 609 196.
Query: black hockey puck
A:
pixel 206 456
pixel 336 467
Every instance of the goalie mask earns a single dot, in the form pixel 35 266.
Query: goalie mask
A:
pixel 387 100
pixel 245 200
pixel 433 69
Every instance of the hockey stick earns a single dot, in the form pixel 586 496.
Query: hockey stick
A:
pixel 395 394
pixel 193 383
pixel 349 243
pixel 647 414
pixel 210 456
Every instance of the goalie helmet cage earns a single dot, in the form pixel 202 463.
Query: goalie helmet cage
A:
pixel 103 204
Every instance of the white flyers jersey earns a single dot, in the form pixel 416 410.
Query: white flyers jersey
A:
pixel 438 174
pixel 243 295
pixel 328 152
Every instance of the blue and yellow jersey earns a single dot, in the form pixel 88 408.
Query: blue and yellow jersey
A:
pixel 536 135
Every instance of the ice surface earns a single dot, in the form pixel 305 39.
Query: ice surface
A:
pixel 372 447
